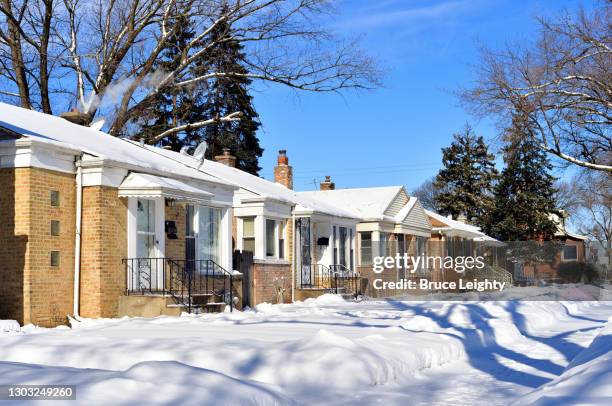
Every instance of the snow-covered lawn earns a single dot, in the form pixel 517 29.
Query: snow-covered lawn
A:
pixel 328 351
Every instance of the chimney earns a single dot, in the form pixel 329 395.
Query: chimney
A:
pixel 462 218
pixel 283 173
pixel 226 158
pixel 327 184
pixel 76 117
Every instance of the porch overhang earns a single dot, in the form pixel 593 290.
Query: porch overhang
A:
pixel 151 186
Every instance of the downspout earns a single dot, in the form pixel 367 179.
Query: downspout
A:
pixel 294 262
pixel 77 236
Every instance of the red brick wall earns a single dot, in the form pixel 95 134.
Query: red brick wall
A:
pixel 267 279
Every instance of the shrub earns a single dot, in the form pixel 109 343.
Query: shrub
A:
pixel 575 272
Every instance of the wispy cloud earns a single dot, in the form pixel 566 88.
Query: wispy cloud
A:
pixel 391 14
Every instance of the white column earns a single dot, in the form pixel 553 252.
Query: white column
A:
pixel 376 244
pixel 260 237
pixel 226 239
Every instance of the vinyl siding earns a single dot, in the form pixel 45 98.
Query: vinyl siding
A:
pixel 398 202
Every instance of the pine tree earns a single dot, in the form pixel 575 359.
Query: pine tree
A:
pixel 465 183
pixel 171 106
pixel 226 95
pixel 202 101
pixel 524 198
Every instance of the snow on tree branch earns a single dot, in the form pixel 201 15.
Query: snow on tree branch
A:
pixel 562 85
pixel 104 53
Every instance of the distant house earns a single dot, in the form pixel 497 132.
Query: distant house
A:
pixel 453 237
pixel 390 222
pixel 264 216
pixel 573 248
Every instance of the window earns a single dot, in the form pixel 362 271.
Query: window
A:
pixel 55 258
pixel 365 256
pixel 248 234
pixel 382 244
pixel 55 198
pixel 281 239
pixel 145 226
pixel 352 251
pixel 270 238
pixel 335 245
pixel 570 253
pixel 55 227
pixel 190 240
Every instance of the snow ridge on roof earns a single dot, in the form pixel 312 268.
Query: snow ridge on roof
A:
pixel 365 203
pixel 53 130
pixel 458 225
pixel 255 184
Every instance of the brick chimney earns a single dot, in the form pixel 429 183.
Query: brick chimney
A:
pixel 226 158
pixel 327 184
pixel 76 117
pixel 283 173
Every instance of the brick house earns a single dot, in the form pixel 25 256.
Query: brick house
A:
pixel 454 237
pixel 78 206
pixel 99 226
pixel 283 229
pixel 390 222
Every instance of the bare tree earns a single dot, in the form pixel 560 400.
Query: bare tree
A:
pixel 426 193
pixel 593 212
pixel 25 51
pixel 105 52
pixel 562 84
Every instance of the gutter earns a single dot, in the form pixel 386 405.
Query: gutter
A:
pixel 77 236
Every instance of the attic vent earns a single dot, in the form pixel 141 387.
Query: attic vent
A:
pixel 6 134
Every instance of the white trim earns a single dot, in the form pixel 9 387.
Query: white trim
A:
pixel 25 153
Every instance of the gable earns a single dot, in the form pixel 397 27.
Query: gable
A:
pixel 417 218
pixel 399 201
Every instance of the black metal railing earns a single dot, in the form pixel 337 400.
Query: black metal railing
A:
pixel 346 280
pixel 192 283
pixel 334 279
pixel 145 275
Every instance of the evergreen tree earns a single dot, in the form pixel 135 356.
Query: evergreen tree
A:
pixel 216 98
pixel 226 95
pixel 171 106
pixel 464 185
pixel 525 193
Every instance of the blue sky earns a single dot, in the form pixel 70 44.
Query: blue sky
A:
pixel 393 135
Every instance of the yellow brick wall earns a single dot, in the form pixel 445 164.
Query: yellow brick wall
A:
pixel 31 290
pixel 104 245
pixel 176 248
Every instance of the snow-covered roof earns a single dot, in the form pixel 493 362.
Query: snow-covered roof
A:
pixel 562 230
pixel 257 185
pixel 365 203
pixel 141 184
pixel 56 131
pixel 463 228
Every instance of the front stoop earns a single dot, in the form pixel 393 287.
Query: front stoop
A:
pixel 158 305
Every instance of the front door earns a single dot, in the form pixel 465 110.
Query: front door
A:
pixel 145 275
pixel 303 225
